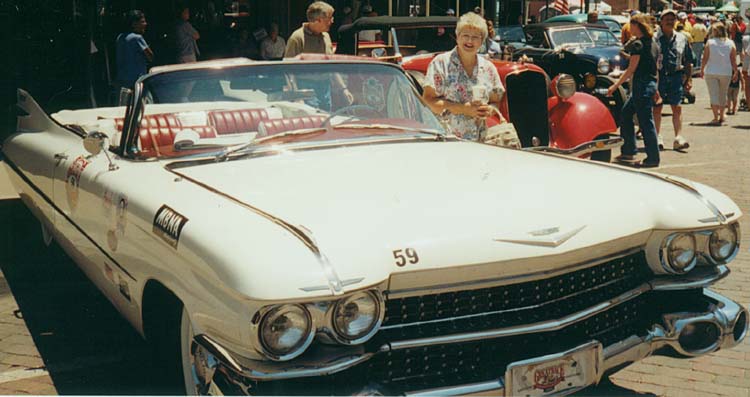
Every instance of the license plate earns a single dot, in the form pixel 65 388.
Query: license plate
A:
pixel 555 374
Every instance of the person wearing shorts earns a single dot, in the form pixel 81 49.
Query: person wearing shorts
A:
pixel 746 68
pixel 675 74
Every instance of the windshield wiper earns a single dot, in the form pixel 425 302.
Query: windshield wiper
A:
pixel 439 136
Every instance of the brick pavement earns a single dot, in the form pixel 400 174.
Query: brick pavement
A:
pixel 719 157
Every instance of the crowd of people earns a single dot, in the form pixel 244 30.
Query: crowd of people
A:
pixel 680 43
pixel 662 59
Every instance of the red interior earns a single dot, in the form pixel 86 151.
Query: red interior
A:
pixel 157 132
pixel 275 126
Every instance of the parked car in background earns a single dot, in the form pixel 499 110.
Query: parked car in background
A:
pixel 268 242
pixel 612 22
pixel 589 53
pixel 547 115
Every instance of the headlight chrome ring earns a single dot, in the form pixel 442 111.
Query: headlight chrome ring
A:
pixel 564 86
pixel 286 331
pixel 679 253
pixel 356 318
pixel 602 66
pixel 724 243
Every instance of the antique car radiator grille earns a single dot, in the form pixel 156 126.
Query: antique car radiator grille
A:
pixel 527 106
pixel 508 305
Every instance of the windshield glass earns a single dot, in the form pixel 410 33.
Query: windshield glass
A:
pixel 278 104
pixel 571 37
pixel 510 34
pixel 604 37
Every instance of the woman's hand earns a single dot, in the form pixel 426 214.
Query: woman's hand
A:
pixel 476 110
pixel 611 90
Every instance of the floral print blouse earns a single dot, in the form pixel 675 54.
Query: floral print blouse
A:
pixel 450 81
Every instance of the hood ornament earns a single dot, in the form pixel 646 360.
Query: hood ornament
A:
pixel 548 237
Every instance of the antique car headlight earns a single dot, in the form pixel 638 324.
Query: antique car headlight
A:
pixel 723 243
pixel 564 86
pixel 602 66
pixel 286 331
pixel 589 81
pixel 355 317
pixel 679 253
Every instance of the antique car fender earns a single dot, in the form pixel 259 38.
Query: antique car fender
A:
pixel 569 115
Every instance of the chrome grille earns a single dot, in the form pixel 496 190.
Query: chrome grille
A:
pixel 459 363
pixel 508 305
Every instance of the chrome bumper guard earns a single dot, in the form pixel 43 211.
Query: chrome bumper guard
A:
pixel 722 326
pixel 582 149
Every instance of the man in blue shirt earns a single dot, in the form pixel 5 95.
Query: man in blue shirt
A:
pixel 675 74
pixel 133 54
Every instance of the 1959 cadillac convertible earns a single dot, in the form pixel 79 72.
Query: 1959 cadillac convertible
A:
pixel 275 243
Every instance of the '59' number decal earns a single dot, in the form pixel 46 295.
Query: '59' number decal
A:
pixel 405 255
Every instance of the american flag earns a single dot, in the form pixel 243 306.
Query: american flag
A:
pixel 562 6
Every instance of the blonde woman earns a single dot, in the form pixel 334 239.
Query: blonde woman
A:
pixel 642 68
pixel 455 76
pixel 718 67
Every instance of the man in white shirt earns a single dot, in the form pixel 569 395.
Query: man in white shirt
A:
pixel 273 46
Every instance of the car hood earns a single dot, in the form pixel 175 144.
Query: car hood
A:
pixel 609 53
pixel 450 203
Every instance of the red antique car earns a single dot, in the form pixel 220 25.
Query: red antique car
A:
pixel 548 115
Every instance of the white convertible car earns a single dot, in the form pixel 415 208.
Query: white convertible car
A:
pixel 277 240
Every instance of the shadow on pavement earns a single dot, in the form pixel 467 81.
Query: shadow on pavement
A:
pixel 86 346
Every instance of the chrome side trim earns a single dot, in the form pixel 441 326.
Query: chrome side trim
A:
pixel 463 390
pixel 722 219
pixel 584 148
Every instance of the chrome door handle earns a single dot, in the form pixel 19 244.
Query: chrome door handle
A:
pixel 61 156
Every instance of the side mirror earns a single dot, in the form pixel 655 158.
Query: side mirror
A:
pixel 94 144
pixel 126 94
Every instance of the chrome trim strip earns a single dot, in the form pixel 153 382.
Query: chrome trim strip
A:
pixel 696 193
pixel 545 240
pixel 302 233
pixel 344 283
pixel 463 390
pixel 493 282
pixel 584 148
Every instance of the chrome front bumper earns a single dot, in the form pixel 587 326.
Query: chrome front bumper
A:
pixel 582 149
pixel 722 325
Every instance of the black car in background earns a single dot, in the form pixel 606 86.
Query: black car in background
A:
pixel 590 53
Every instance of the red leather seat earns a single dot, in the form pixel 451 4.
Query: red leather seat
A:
pixel 276 126
pixel 158 131
pixel 236 121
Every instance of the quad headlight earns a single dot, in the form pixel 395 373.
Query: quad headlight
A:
pixel 723 243
pixel 679 253
pixel 286 331
pixel 602 66
pixel 355 318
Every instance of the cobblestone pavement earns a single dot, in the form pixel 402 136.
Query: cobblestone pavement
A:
pixel 58 335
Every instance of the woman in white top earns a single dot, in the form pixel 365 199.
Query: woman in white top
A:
pixel 718 66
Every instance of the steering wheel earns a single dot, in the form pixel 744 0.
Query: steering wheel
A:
pixel 350 108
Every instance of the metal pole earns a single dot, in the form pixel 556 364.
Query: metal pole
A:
pixel 481 4
pixel 427 8
pixel 458 10
pixel 390 8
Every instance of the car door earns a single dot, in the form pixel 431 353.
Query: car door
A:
pixel 537 48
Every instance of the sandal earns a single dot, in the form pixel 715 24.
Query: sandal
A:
pixel 714 123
